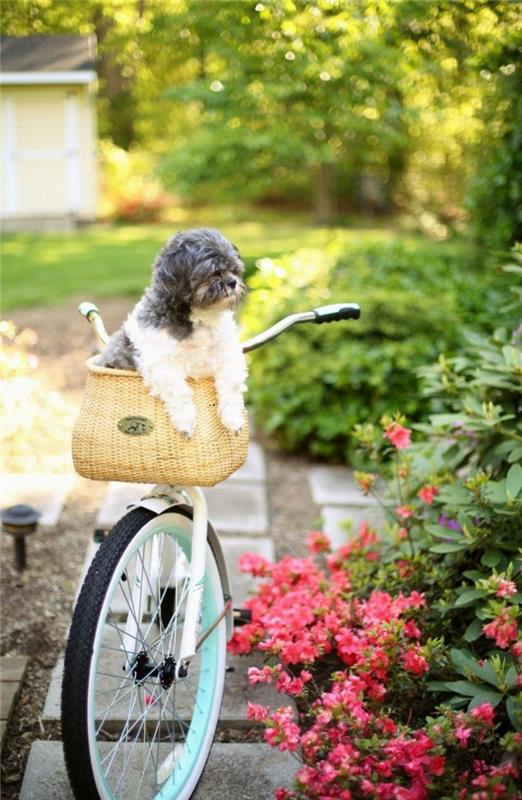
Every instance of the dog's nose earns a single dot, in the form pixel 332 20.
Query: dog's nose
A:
pixel 231 283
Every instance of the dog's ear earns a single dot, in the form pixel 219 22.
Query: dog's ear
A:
pixel 172 268
pixel 240 267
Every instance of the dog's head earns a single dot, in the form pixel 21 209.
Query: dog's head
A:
pixel 200 269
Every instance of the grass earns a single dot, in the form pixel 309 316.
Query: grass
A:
pixel 108 261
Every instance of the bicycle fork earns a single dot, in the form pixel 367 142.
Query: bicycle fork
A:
pixel 190 642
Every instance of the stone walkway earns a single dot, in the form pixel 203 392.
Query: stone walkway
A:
pixel 239 510
pixel 12 672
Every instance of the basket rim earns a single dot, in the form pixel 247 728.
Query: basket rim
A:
pixel 94 367
pixel 131 373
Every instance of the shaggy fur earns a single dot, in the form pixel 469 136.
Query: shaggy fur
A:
pixel 183 327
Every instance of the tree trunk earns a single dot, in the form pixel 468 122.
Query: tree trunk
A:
pixel 114 87
pixel 325 199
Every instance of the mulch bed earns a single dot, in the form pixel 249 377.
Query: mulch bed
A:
pixel 37 605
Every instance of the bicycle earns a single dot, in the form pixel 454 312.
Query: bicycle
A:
pixel 145 659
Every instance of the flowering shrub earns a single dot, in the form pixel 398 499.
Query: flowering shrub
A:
pixel 358 668
pixel 403 653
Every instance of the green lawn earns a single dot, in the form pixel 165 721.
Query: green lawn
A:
pixel 109 261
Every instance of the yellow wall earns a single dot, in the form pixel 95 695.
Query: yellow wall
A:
pixel 49 152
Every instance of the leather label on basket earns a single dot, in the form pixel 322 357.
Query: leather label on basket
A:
pixel 135 426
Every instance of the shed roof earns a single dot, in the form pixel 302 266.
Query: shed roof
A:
pixel 47 53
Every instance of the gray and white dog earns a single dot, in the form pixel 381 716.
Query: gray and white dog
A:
pixel 183 327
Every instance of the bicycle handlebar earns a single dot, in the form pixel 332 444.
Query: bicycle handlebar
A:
pixel 330 313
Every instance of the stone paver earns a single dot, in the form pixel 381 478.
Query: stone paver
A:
pixel 46 493
pixel 235 696
pixel 334 516
pixel 12 668
pixel 232 506
pixel 238 508
pixel 12 671
pixel 243 584
pixel 238 771
pixel 117 497
pixel 8 694
pixel 336 486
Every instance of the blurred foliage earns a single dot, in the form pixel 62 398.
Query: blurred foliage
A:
pixel 129 194
pixel 336 104
pixel 315 383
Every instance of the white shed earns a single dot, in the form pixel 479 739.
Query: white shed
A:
pixel 48 131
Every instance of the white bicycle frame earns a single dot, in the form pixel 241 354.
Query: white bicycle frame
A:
pixel 190 642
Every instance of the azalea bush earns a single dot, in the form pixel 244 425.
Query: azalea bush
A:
pixel 358 665
pixel 403 649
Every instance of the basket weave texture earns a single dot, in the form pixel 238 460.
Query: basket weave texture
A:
pixel 123 433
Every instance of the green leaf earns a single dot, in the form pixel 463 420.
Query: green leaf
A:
pixel 448 547
pixel 515 455
pixel 491 558
pixel 495 492
pixel 444 533
pixel 485 696
pixel 466 664
pixel 514 480
pixel 474 574
pixel 473 631
pixel 463 687
pixel 511 677
pixel 455 495
pixel 457 701
pixel 437 686
pixel 514 710
pixel 469 596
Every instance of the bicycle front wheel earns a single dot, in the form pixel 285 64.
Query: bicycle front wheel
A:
pixel 131 727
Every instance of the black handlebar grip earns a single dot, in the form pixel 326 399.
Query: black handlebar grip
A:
pixel 336 311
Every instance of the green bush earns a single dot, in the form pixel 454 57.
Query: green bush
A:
pixel 455 510
pixel 314 384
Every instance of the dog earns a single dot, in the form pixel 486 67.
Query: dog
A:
pixel 183 327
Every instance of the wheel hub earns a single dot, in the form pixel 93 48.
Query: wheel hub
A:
pixel 143 669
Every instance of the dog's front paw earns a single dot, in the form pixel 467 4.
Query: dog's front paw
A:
pixel 232 416
pixel 184 420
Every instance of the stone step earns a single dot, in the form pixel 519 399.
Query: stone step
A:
pixel 12 673
pixel 236 694
pixel 233 772
pixel 341 523
pixel 233 507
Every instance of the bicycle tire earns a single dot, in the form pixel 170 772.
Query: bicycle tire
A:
pixel 87 652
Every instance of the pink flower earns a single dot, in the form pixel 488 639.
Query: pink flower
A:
pixel 411 630
pixel 256 712
pixel 255 564
pixel 414 661
pixel 264 675
pixel 506 588
pixel 404 512
pixel 398 435
pixel 502 629
pixel 428 493
pixel 462 733
pixel 484 712
pixel 318 542
pixel 516 649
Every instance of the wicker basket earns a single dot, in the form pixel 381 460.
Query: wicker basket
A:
pixel 124 434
